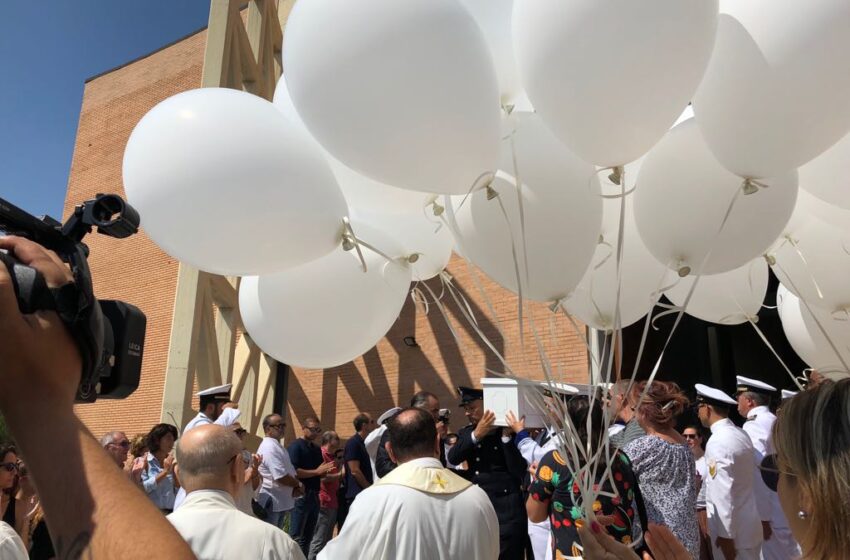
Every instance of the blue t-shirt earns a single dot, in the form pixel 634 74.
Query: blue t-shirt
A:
pixel 306 456
pixel 355 450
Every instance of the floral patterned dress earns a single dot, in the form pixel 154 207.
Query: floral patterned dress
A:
pixel 556 486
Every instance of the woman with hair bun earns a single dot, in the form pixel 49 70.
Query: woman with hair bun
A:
pixel 663 462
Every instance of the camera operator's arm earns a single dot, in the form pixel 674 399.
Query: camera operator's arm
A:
pixel 90 505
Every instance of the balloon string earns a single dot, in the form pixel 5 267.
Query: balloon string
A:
pixel 814 317
pixel 772 349
pixel 806 266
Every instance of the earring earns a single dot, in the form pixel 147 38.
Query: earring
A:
pixel 802 514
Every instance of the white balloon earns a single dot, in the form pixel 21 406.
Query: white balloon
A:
pixel 810 209
pixel 817 258
pixel 360 192
pixel 808 340
pixel 609 77
pixel 828 176
pixel 418 234
pixel 777 90
pixel 494 18
pixel 594 301
pixel 562 208
pixel 402 92
pixel 728 298
pixel 682 196
pixel 327 312
pixel 225 183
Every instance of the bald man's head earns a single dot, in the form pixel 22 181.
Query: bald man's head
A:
pixel 208 458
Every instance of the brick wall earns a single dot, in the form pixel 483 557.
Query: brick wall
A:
pixel 135 270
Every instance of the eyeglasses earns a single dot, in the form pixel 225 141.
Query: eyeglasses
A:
pixel 125 444
pixel 281 425
pixel 689 436
pixel 11 467
pixel 314 429
pixel 770 472
pixel 246 457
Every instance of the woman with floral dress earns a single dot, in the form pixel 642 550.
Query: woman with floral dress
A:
pixel 555 491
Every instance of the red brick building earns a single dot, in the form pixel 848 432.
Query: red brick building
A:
pixel 137 271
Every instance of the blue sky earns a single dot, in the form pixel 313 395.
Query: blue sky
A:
pixel 47 51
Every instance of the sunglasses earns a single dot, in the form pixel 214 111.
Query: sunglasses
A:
pixel 10 467
pixel 315 430
pixel 770 472
pixel 125 444
pixel 276 426
pixel 689 436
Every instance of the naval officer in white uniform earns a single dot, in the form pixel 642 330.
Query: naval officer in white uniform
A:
pixel 211 404
pixel 734 523
pixel 753 400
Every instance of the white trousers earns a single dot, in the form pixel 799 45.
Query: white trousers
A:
pixel 540 533
pixel 740 553
pixel 780 546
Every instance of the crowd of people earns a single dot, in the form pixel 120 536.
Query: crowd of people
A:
pixel 776 488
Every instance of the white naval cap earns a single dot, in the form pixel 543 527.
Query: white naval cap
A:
pixel 388 414
pixel 555 387
pixel 222 392
pixel 786 394
pixel 747 384
pixel 712 395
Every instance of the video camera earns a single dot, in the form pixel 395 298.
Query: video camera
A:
pixel 444 415
pixel 109 334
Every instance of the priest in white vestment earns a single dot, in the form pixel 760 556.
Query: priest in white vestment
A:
pixel 420 510
pixel 211 466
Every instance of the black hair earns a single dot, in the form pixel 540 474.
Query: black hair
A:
pixel 206 400
pixel 421 398
pixel 5 449
pixel 361 420
pixel 157 433
pixel 413 433
pixel 267 420
pixel 579 409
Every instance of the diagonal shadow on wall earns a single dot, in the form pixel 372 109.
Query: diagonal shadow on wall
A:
pixel 370 387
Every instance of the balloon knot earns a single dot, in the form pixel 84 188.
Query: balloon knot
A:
pixel 412 258
pixel 348 242
pixel 437 209
pixel 771 260
pixel 616 175
pixel 491 193
pixel 684 271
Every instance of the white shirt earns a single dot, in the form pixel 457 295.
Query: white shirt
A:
pixel 729 496
pixel 389 521
pixel 532 452
pixel 11 545
pixel 702 474
pixel 372 442
pixel 781 545
pixel 216 530
pixel 199 420
pixel 276 464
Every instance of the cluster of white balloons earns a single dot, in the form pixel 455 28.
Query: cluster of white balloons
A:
pixel 490 127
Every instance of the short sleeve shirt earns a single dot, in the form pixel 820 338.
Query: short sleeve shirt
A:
pixel 556 486
pixel 306 456
pixel 275 465
pixel 355 450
